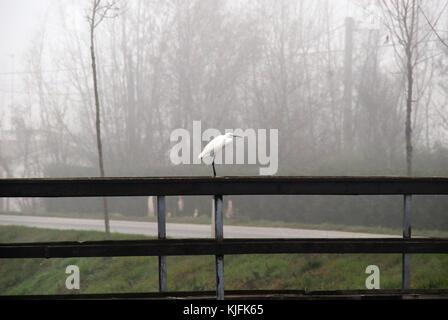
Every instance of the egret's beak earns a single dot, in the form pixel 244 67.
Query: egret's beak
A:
pixel 235 135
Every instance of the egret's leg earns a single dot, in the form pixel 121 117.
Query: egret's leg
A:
pixel 213 165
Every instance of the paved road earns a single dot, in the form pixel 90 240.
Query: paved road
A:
pixel 175 230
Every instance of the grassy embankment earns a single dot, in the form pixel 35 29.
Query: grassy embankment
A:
pixel 139 274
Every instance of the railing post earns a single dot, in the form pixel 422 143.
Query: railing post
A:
pixel 161 227
pixel 213 219
pixel 219 236
pixel 406 259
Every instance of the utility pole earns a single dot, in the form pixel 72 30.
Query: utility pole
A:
pixel 348 86
pixel 11 110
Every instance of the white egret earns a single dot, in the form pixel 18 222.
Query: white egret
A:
pixel 216 145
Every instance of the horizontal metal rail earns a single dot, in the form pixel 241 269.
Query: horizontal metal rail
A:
pixel 219 186
pixel 250 294
pixel 178 247
pixel 167 186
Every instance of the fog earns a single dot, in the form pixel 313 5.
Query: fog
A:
pixel 341 106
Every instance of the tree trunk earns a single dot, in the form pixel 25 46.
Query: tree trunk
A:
pixel 347 141
pixel 98 118
pixel 408 128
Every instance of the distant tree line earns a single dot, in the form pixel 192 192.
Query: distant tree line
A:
pixel 248 64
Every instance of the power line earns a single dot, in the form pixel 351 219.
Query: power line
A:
pixel 37 72
pixel 48 71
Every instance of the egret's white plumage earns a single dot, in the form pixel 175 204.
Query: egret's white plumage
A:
pixel 216 145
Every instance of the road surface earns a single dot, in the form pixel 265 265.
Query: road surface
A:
pixel 175 230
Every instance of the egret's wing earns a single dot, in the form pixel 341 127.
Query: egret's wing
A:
pixel 212 147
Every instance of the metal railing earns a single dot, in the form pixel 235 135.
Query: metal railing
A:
pixel 217 187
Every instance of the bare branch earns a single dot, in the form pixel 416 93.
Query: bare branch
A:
pixel 432 26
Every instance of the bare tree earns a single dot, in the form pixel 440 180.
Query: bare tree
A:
pixel 402 20
pixel 99 11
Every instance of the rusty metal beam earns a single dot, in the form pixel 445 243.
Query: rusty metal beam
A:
pixel 153 186
pixel 410 294
pixel 178 247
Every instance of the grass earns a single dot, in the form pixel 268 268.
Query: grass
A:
pixel 139 274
